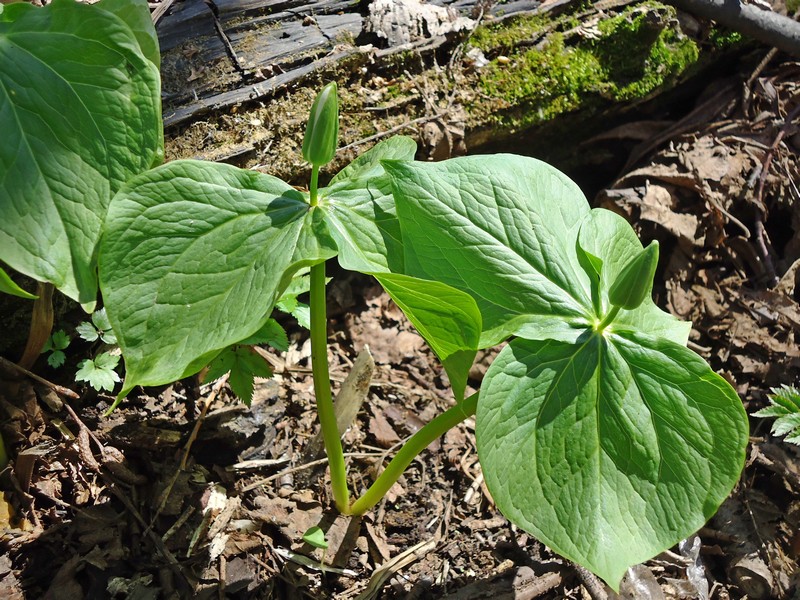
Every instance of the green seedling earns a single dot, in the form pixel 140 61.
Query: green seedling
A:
pixel 55 345
pixel 98 329
pixel 99 372
pixel 598 431
pixel 785 409
pixel 314 536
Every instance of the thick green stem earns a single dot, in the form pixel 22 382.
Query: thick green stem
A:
pixel 411 449
pixel 609 318
pixel 322 382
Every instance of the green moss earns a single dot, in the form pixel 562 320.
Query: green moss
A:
pixel 635 53
pixel 503 37
pixel 722 38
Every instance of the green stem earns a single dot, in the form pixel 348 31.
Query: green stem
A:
pixel 608 319
pixel 411 449
pixel 312 189
pixel 322 381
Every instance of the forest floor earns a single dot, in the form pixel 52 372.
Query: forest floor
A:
pixel 184 492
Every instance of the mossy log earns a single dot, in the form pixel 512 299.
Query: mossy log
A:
pixel 239 75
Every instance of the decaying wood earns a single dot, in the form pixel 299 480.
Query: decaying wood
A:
pixel 258 48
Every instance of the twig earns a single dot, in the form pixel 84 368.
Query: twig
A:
pixel 203 411
pixel 591 583
pixel 390 131
pixel 161 10
pixel 305 466
pixel 53 386
pixel 765 26
pixel 760 205
pixel 186 449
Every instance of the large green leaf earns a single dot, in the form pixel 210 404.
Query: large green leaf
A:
pixel 502 228
pixel 448 318
pixel 597 430
pixel 622 445
pixel 192 262
pixel 80 112
pixel 360 210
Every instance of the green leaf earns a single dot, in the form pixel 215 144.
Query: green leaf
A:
pixel 80 112
pixel 99 373
pixel 87 331
pixel 622 445
pixel 446 317
pixel 192 262
pixel 100 320
pixel 137 16
pixel 59 340
pixel 368 164
pixel 597 430
pixel 302 312
pixel 222 364
pixel 785 405
pixel 314 536
pixel 502 228
pixel 244 365
pixel 8 286
pixel 360 210
pixel 56 359
pixel 271 333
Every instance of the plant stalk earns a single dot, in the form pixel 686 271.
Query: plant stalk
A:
pixel 411 449
pixel 322 383
pixel 609 318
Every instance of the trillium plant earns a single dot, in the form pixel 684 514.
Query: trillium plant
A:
pixel 598 431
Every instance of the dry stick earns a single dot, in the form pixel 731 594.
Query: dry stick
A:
pixel 591 583
pixel 161 548
pixel 391 131
pixel 66 392
pixel 187 448
pixel 761 244
pixel 765 26
pixel 203 411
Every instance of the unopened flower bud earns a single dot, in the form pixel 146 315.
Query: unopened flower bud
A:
pixel 322 130
pixel 634 282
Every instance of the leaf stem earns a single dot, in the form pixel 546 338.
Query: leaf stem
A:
pixel 418 442
pixel 312 189
pixel 322 381
pixel 608 319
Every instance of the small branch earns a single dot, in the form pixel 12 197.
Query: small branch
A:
pixel 765 26
pixel 58 389
pixel 391 131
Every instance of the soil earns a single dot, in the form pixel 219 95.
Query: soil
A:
pixel 184 492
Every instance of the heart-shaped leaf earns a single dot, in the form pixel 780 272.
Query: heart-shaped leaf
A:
pixel 193 260
pixel 623 445
pixel 598 431
pixel 80 112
